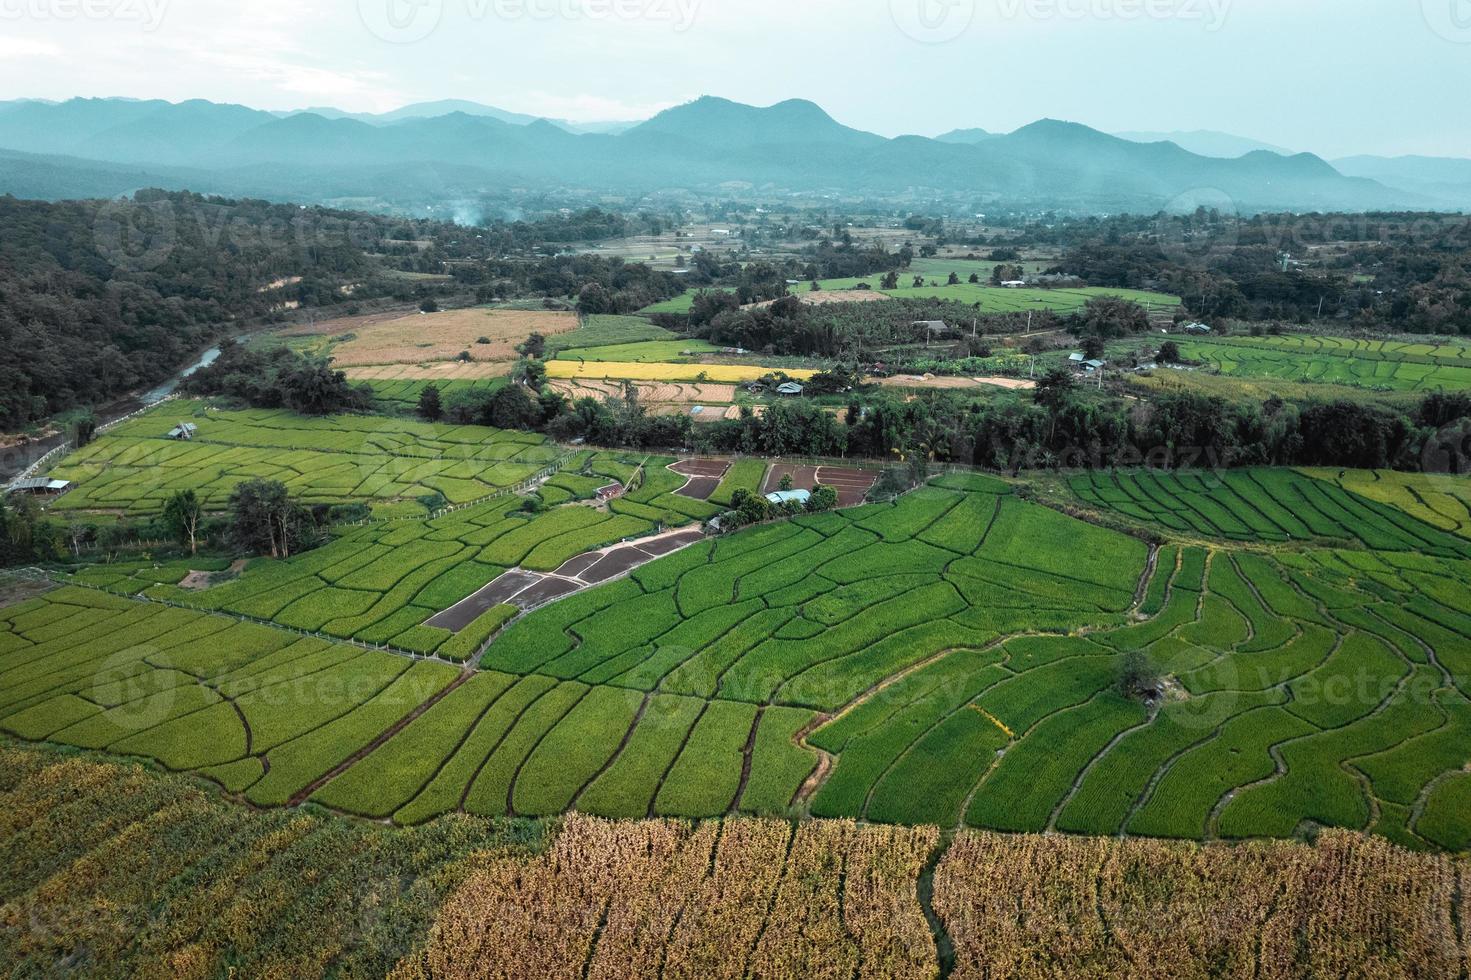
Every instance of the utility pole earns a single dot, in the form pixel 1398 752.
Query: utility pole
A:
pixel 1029 323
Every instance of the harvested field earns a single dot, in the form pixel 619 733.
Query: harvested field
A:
pixel 851 484
pixel 651 393
pixel 747 898
pixel 1031 907
pixel 130 872
pixel 424 337
pixel 439 371
pixel 825 296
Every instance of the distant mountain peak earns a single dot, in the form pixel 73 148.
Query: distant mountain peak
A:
pixel 1206 142
pixel 712 119
pixel 966 136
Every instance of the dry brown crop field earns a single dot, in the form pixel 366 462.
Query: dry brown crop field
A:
pixel 825 296
pixel 114 870
pixel 741 898
pixel 685 393
pixel 1350 907
pixel 424 337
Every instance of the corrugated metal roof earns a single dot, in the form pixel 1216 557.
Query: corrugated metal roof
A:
pixel 39 483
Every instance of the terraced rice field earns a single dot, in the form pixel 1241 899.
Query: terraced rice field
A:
pixel 382 583
pixel 950 659
pixel 1383 364
pixel 338 459
pixel 403 396
pixel 1386 512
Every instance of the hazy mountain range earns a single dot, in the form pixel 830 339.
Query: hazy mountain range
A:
pixel 450 150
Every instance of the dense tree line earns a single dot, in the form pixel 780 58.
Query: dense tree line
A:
pixel 278 377
pixel 1059 426
pixel 100 298
pixel 850 331
pixel 1403 271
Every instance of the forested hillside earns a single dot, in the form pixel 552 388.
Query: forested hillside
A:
pixel 99 298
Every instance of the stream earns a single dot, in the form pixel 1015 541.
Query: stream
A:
pixel 15 459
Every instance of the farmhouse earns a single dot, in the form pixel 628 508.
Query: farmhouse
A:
pixel 1014 283
pixel 1196 328
pixel 934 327
pixel 183 432
pixel 790 389
pixel 39 485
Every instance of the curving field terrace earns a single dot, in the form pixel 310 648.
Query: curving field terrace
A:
pixel 1385 364
pixel 949 659
pixel 134 468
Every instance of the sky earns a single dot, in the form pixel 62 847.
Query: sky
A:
pixel 1335 77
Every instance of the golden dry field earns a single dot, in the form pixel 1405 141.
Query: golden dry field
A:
pixel 423 337
pixel 131 872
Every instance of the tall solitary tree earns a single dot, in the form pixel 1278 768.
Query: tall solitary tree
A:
pixel 182 514
pixel 431 409
pixel 266 520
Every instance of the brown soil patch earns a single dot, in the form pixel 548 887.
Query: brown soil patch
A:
pixel 852 484
pixel 197 581
pixel 825 296
pixel 423 337
pixel 704 476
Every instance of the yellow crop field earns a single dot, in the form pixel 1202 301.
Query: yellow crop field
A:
pixel 720 373
pixel 424 337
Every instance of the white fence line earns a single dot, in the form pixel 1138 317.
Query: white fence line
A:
pixel 66 445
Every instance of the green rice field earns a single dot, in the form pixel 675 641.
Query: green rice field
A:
pixel 1380 364
pixel 952 658
pixel 378 583
pixel 338 459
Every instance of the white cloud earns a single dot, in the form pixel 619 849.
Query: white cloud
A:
pixel 584 108
pixel 21 47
